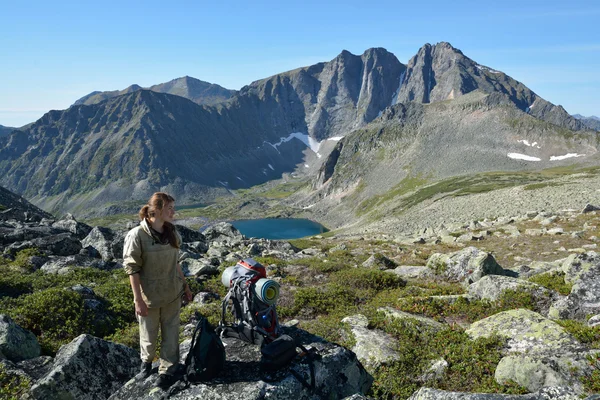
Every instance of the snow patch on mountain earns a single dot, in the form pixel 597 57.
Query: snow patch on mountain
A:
pixel 569 155
pixel 518 156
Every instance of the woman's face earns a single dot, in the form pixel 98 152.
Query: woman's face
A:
pixel 168 212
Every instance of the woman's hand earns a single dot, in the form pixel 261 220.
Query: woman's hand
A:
pixel 141 308
pixel 188 296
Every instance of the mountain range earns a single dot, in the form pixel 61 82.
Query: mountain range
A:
pixel 355 124
pixel 198 91
pixel 592 122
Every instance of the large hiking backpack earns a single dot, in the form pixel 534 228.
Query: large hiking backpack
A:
pixel 251 301
pixel 207 353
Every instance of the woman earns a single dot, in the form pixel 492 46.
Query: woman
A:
pixel 150 257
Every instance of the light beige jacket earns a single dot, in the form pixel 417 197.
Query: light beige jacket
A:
pixel 156 263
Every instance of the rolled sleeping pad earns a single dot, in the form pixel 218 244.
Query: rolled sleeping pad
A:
pixel 267 290
pixel 228 274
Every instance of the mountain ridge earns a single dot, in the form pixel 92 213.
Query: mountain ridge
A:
pixel 143 141
pixel 198 91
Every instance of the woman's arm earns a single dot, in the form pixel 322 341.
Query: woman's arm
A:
pixel 188 292
pixel 141 308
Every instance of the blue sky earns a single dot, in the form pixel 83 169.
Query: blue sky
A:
pixel 54 52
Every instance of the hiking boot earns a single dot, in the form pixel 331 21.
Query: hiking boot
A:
pixel 145 370
pixel 165 381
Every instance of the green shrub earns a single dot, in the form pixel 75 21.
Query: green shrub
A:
pixel 128 335
pixel 554 281
pixel 471 363
pixel 591 382
pixel 14 283
pixel 582 332
pixel 314 301
pixel 55 315
pixel 465 309
pixel 22 259
pixel 12 386
pixel 361 278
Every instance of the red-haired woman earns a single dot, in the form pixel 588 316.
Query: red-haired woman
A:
pixel 150 256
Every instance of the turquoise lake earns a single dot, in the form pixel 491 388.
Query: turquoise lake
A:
pixel 278 228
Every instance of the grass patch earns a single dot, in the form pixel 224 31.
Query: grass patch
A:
pixel 407 185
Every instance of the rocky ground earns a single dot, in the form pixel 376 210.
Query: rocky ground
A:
pixel 491 308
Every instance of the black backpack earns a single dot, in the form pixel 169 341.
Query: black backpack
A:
pixel 207 353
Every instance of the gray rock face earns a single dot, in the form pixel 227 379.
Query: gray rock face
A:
pixel 548 393
pixel 11 235
pixel 62 244
pixel 17 208
pixel 577 264
pixel 441 72
pixel 584 298
pixel 337 373
pixel 540 352
pixel 199 267
pixel 61 265
pixel 222 232
pixel 467 265
pixel 379 261
pixel 373 348
pixel 16 343
pixel 190 235
pixel 70 224
pixel 87 368
pixel 108 243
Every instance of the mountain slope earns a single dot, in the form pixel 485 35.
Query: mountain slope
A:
pixel 13 206
pixel 441 72
pixel 130 146
pixel 198 91
pixel 414 145
pixel 6 130
pixel 124 147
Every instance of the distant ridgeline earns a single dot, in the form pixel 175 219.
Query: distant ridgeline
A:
pixel 355 124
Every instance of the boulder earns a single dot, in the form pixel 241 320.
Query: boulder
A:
pixel 190 235
pixel 589 208
pixel 70 224
pixel 337 372
pixel 379 261
pixel 409 271
pixel 547 393
pixel 424 322
pixel 533 373
pixel 62 265
pixel 526 331
pixel 198 267
pixel 223 232
pixel 584 299
pixel 435 372
pixel 373 348
pixel 16 343
pixel 10 235
pixel 491 287
pixel 467 265
pixel 535 343
pixel 62 244
pixel 108 243
pixel 87 368
pixel 576 264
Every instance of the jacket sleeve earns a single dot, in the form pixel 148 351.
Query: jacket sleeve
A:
pixel 132 253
